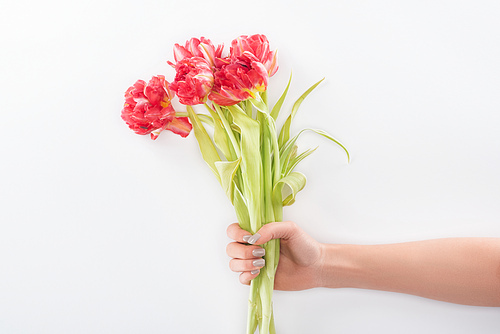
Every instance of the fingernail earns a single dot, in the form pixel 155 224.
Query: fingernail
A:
pixel 258 252
pixel 255 272
pixel 253 239
pixel 259 263
pixel 246 238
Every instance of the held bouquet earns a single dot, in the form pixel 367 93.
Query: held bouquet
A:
pixel 253 162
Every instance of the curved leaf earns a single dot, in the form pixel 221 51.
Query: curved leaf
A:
pixel 259 104
pixel 229 132
pixel 227 171
pixel 295 160
pixel 296 181
pixel 287 149
pixel 251 166
pixel 221 138
pixel 277 107
pixel 207 148
pixel 285 130
pixel 241 209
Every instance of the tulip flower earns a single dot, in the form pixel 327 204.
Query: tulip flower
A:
pixel 148 110
pixel 195 47
pixel 238 81
pixel 255 48
pixel 193 80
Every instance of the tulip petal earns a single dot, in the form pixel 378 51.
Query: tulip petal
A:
pixel 193 80
pixel 181 52
pixel 180 126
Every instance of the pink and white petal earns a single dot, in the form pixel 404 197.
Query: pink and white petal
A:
pixel 180 126
pixel 181 52
pixel 271 63
pixel 155 133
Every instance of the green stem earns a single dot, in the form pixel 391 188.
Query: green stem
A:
pixel 263 286
pixel 253 306
pixel 263 96
pixel 267 285
pixel 248 108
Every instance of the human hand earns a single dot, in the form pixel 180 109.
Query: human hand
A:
pixel 299 266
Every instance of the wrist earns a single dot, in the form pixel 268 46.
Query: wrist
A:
pixel 341 267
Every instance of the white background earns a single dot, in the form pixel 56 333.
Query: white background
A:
pixel 105 231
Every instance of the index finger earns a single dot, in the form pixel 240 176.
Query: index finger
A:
pixel 235 232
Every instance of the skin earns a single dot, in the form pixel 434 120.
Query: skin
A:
pixel 457 270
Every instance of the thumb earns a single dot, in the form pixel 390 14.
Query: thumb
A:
pixel 278 230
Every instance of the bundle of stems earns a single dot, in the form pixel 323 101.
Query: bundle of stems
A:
pixel 255 167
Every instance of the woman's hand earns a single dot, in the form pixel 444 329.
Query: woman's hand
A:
pixel 455 270
pixel 300 260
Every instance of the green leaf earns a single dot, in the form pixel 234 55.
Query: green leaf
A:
pixel 285 130
pixel 286 150
pixel 227 171
pixel 277 107
pixel 228 130
pixel 251 167
pixel 248 107
pixel 263 97
pixel 221 138
pixel 267 167
pixel 235 128
pixel 259 104
pixel 241 209
pixel 295 161
pixel 296 181
pixel 288 157
pixel 269 132
pixel 293 154
pixel 207 148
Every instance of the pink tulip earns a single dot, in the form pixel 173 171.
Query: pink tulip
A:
pixel 195 47
pixel 148 110
pixel 255 48
pixel 238 81
pixel 193 81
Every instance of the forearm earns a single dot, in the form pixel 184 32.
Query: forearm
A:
pixel 457 270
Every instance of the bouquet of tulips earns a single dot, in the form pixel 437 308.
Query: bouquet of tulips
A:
pixel 253 162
